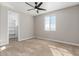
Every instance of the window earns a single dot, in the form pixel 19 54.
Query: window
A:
pixel 50 23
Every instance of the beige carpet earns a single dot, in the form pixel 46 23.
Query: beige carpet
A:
pixel 38 47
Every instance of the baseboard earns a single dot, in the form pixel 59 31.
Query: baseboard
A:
pixel 74 44
pixel 27 38
pixel 4 43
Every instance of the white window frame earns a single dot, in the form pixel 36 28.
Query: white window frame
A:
pixel 49 19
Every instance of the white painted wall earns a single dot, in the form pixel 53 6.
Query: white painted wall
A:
pixel 3 26
pixel 67 25
pixel 26 26
pixel 0 25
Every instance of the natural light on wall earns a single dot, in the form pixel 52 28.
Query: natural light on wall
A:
pixel 50 23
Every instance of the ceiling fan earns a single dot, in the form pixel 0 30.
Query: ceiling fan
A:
pixel 36 7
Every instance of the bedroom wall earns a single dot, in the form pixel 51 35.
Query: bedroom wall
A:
pixel 26 26
pixel 0 25
pixel 67 25
pixel 3 26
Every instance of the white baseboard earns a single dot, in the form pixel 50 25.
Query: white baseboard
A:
pixel 27 38
pixel 70 43
pixel 4 43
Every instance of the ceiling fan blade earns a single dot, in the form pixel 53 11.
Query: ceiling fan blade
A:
pixel 29 4
pixel 41 9
pixel 36 3
pixel 30 9
pixel 40 4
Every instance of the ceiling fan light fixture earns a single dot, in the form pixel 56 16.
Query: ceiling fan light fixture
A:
pixel 35 9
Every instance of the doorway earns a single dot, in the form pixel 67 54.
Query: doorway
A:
pixel 13 26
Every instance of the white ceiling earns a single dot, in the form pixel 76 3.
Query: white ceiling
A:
pixel 49 6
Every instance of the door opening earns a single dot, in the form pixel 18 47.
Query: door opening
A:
pixel 12 26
